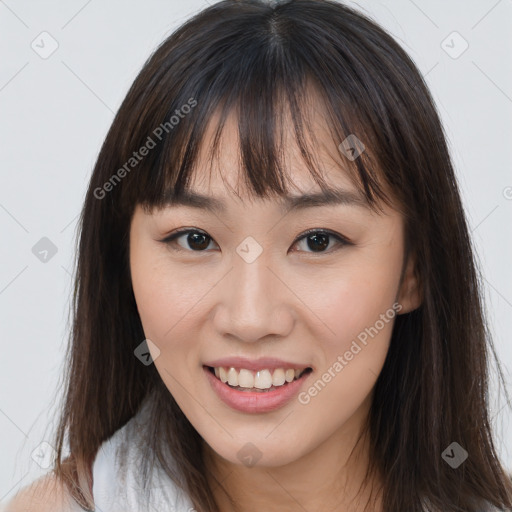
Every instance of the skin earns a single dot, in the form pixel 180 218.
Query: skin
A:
pixel 291 303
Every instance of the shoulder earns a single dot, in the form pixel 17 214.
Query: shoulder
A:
pixel 45 494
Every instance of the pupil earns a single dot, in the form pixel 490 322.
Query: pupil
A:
pixel 196 238
pixel 318 246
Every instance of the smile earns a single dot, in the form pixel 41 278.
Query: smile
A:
pixel 250 380
pixel 256 391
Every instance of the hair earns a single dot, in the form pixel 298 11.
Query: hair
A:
pixel 254 60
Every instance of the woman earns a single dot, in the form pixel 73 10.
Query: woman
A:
pixel 277 304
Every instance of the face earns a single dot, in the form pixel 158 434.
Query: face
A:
pixel 267 291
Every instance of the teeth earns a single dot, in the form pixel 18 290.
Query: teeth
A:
pixel 262 379
pixel 278 379
pixel 245 379
pixel 232 377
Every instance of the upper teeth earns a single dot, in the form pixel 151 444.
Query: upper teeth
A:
pixel 261 379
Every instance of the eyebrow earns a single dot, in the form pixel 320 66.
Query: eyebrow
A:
pixel 332 197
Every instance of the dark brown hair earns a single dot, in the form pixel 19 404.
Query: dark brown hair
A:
pixel 255 59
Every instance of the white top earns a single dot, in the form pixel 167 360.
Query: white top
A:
pixel 117 479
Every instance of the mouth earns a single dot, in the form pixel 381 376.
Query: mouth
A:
pixel 260 381
pixel 256 391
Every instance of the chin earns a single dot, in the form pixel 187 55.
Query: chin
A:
pixel 253 451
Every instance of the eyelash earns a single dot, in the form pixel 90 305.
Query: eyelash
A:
pixel 342 241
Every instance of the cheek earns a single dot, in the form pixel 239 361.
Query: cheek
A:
pixel 351 298
pixel 355 303
pixel 165 297
pixel 353 355
pixel 165 307
pixel 358 310
pixel 156 302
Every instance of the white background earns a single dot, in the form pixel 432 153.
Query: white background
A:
pixel 55 112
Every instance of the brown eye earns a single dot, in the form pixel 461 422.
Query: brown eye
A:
pixel 194 240
pixel 198 241
pixel 319 240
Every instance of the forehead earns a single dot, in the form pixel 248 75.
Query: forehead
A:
pixel 221 174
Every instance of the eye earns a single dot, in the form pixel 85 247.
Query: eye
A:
pixel 194 240
pixel 319 239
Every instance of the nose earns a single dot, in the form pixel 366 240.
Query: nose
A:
pixel 254 303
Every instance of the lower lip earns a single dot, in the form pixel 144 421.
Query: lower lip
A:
pixel 254 401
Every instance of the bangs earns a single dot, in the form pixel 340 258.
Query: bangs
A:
pixel 271 75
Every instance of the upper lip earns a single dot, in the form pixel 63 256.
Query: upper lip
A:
pixel 270 363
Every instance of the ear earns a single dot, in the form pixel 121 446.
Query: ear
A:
pixel 409 295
